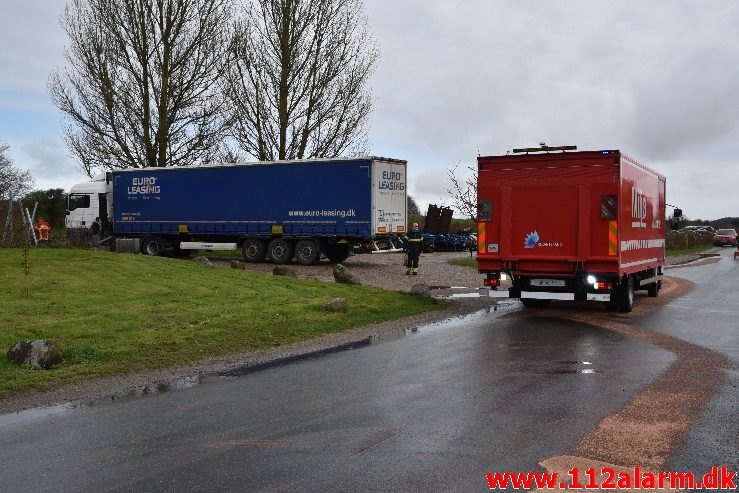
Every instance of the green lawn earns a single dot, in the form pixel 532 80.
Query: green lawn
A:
pixel 464 262
pixel 115 313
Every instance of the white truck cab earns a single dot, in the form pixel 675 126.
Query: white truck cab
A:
pixel 85 202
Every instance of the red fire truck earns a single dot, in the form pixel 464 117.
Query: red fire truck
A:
pixel 565 225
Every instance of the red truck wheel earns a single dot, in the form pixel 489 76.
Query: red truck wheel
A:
pixel 625 301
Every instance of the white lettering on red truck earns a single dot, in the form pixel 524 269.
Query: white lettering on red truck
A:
pixel 638 208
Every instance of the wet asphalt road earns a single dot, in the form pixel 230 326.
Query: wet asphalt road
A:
pixel 432 410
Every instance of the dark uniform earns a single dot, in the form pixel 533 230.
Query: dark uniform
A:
pixel 414 240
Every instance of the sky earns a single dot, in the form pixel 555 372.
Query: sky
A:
pixel 458 78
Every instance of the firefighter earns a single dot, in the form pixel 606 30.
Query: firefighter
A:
pixel 42 230
pixel 414 239
pixel 96 229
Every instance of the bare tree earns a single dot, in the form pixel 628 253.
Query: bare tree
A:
pixel 141 87
pixel 463 190
pixel 14 183
pixel 299 84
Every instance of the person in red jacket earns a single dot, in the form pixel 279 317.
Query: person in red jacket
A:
pixel 42 229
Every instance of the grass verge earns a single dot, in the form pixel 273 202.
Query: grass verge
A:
pixel 116 313
pixel 687 251
pixel 464 262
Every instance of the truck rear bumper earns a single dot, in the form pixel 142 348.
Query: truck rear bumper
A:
pixel 542 295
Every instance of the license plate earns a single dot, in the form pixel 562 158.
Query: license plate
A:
pixel 560 283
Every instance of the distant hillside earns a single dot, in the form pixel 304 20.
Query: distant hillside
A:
pixel 725 222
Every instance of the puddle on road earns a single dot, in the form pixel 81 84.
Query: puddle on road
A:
pixel 565 367
pixel 30 415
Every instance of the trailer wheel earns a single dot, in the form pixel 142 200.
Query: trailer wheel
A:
pixel 281 251
pixel 307 253
pixel 337 252
pixel 253 251
pixel 626 295
pixel 534 303
pixel 152 245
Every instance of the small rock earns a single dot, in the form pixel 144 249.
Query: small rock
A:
pixel 421 290
pixel 238 264
pixel 283 270
pixel 204 261
pixel 343 276
pixel 336 305
pixel 38 354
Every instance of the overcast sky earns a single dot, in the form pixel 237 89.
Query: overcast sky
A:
pixel 658 80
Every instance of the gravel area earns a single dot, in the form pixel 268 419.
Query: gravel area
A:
pixel 387 270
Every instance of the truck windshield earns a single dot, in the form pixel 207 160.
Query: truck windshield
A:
pixel 78 201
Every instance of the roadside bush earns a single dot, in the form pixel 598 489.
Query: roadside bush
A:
pixel 678 240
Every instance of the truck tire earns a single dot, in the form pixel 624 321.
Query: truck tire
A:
pixel 253 251
pixel 307 253
pixel 337 252
pixel 281 251
pixel 534 303
pixel 153 246
pixel 626 295
pixel 653 289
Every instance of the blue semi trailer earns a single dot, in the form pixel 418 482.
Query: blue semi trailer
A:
pixel 280 210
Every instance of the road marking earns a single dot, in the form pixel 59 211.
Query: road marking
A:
pixel 259 444
pixel 698 309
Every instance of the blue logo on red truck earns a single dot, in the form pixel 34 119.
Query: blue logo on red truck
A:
pixel 531 239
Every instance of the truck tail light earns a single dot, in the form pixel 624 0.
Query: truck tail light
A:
pixel 492 282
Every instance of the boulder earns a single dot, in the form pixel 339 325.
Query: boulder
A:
pixel 421 290
pixel 343 276
pixel 238 264
pixel 336 305
pixel 204 261
pixel 37 354
pixel 283 270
